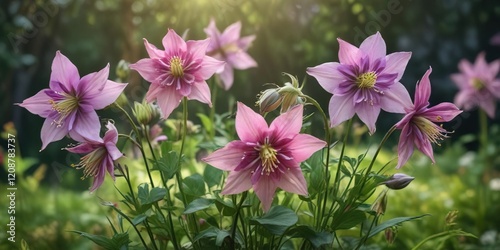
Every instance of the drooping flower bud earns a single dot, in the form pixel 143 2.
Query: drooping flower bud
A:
pixel 380 203
pixel 398 181
pixel 122 71
pixel 390 234
pixel 269 100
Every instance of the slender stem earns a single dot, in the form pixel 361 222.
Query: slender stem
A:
pixel 130 139
pixel 212 109
pixel 363 240
pixel 169 199
pixel 322 199
pixel 235 220
pixel 150 233
pixel 131 223
pixel 386 136
pixel 483 122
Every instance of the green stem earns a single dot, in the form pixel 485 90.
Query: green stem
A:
pixel 212 109
pixel 235 220
pixel 322 200
pixel 169 199
pixel 191 218
pixel 365 238
pixel 131 223
pixel 483 122
pixel 386 136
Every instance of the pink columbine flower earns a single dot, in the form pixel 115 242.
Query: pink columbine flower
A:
pixel 100 156
pixel 365 81
pixel 266 158
pixel 478 85
pixel 178 71
pixel 230 48
pixel 69 103
pixel 418 126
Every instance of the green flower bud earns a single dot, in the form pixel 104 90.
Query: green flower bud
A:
pixel 122 71
pixel 143 112
pixel 390 234
pixel 380 203
pixel 268 100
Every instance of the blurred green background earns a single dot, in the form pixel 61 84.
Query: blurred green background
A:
pixel 291 35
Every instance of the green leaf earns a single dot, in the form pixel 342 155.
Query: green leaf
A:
pixel 212 176
pixel 349 219
pixel 147 197
pixel 211 233
pixel 194 185
pixel 317 239
pixel 392 222
pixel 167 164
pixel 119 241
pixel 317 179
pixel 277 220
pixel 221 235
pixel 198 204
pixel 139 219
pixel 206 122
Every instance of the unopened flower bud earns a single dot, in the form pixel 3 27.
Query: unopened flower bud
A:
pixel 269 100
pixel 380 204
pixel 143 112
pixel 451 217
pixel 390 235
pixel 122 70
pixel 122 100
pixel 398 181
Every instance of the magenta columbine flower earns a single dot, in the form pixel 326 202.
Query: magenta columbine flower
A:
pixel 365 81
pixel 478 85
pixel 100 156
pixel 418 126
pixel 266 158
pixel 230 48
pixel 69 103
pixel 178 71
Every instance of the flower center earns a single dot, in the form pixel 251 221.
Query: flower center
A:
pixel 431 130
pixel 91 162
pixel 366 80
pixel 267 155
pixel 176 67
pixel 64 107
pixel 477 84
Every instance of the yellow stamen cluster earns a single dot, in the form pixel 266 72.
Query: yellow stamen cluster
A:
pixel 267 155
pixel 176 67
pixel 430 129
pixel 64 107
pixel 477 83
pixel 91 162
pixel 366 80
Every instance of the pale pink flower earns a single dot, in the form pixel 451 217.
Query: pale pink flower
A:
pixel 69 104
pixel 478 85
pixel 230 48
pixel 365 81
pixel 100 156
pixel 418 127
pixel 178 71
pixel 266 157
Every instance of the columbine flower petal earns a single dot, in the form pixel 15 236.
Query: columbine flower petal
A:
pixel 230 48
pixel 249 125
pixel 64 73
pixel 266 158
pixel 70 103
pixel 373 46
pixel 179 71
pixel 417 126
pixel 365 81
pixel 478 84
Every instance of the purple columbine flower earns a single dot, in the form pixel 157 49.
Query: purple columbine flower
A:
pixel 100 156
pixel 69 104
pixel 230 48
pixel 418 126
pixel 266 158
pixel 478 85
pixel 178 71
pixel 365 81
